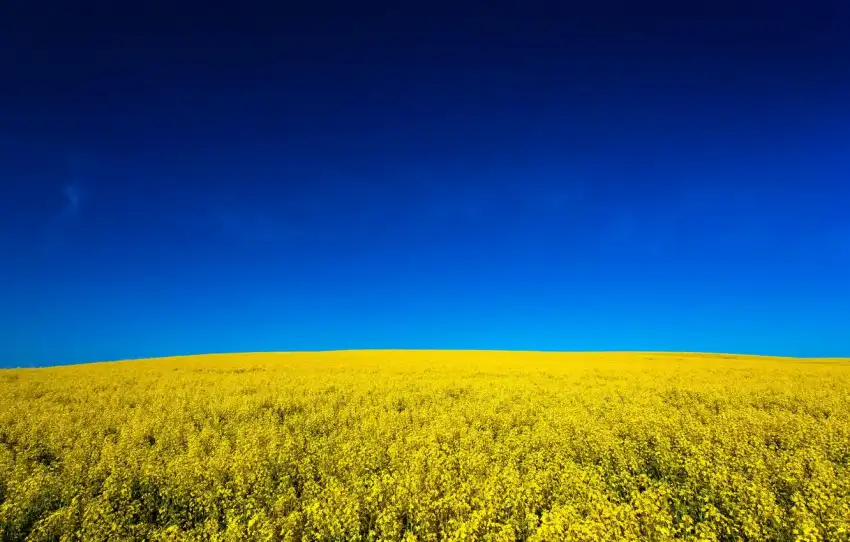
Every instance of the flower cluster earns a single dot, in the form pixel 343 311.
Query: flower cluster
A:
pixel 396 445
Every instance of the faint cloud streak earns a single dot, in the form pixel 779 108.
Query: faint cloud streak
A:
pixel 74 198
pixel 72 204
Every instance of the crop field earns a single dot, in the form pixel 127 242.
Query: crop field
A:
pixel 428 445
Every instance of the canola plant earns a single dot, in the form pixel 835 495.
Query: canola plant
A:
pixel 418 445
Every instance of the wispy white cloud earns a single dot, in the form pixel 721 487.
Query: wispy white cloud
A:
pixel 238 224
pixel 73 197
pixel 247 227
pixel 525 194
pixel 71 209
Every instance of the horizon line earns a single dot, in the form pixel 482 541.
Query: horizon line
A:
pixel 435 350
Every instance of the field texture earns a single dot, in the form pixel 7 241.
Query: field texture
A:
pixel 428 446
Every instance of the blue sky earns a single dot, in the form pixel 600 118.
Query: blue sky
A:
pixel 648 178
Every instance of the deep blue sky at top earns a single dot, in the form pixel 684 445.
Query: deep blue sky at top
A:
pixel 194 178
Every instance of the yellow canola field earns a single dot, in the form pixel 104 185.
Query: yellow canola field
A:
pixel 428 445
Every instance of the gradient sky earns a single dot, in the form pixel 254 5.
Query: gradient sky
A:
pixel 190 179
